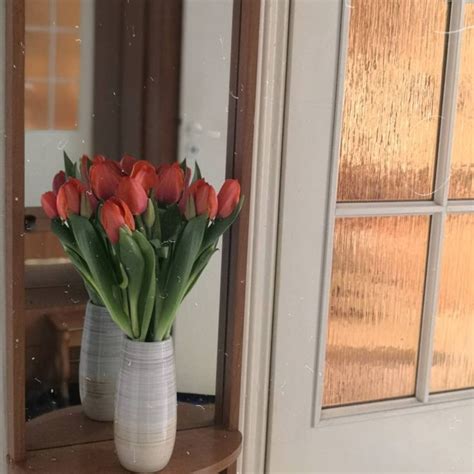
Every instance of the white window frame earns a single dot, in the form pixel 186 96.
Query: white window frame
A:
pixel 437 209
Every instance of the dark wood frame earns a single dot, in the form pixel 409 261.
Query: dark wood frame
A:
pixel 245 35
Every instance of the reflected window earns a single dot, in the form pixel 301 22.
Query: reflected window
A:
pixel 52 64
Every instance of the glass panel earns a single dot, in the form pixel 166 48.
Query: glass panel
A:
pixel 68 13
pixel 375 310
pixel 453 358
pixel 68 55
pixel 36 54
pixel 462 169
pixel 65 111
pixel 392 99
pixel 36 106
pixel 37 12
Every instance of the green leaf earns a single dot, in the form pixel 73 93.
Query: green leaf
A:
pixel 171 221
pixel 185 254
pixel 63 233
pixel 148 292
pixel 218 227
pixel 156 229
pixel 199 265
pixel 69 167
pixel 134 263
pixel 197 172
pixel 94 253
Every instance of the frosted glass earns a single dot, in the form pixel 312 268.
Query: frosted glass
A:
pixel 392 99
pixel 375 308
pixel 36 106
pixel 462 169
pixel 36 54
pixel 37 12
pixel 65 111
pixel 68 55
pixel 453 357
pixel 68 13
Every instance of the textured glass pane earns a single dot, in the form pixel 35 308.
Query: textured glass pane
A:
pixel 375 309
pixel 37 12
pixel 36 54
pixel 65 111
pixel 462 170
pixel 68 55
pixel 453 358
pixel 68 13
pixel 36 106
pixel 392 99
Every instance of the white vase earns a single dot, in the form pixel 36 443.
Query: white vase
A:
pixel 101 351
pixel 145 406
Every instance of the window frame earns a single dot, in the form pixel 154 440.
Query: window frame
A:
pixel 438 209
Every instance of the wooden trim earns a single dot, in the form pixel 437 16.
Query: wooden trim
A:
pixel 162 81
pixel 14 227
pixel 243 83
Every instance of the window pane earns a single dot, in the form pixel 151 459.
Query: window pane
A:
pixel 37 12
pixel 68 55
pixel 68 13
pixel 65 111
pixel 453 358
pixel 36 54
pixel 375 309
pixel 36 106
pixel 462 170
pixel 392 99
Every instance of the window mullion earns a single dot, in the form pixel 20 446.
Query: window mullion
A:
pixel 448 114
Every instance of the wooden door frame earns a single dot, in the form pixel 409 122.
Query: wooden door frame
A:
pixel 245 41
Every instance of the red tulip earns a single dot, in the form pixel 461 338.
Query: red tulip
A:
pixel 68 200
pixel 205 198
pixel 58 180
pixel 169 184
pixel 144 173
pixel 228 198
pixel 114 215
pixel 132 193
pixel 48 201
pixel 104 178
pixel 126 164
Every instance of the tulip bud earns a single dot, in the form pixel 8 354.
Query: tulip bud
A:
pixel 115 215
pixel 149 216
pixel 205 198
pixel 144 173
pixel 132 193
pixel 126 164
pixel 104 176
pixel 68 200
pixel 169 183
pixel 58 180
pixel 228 198
pixel 48 202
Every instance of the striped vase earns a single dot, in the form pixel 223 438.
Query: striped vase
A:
pixel 101 351
pixel 145 406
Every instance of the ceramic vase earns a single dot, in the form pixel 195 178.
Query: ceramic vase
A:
pixel 145 406
pixel 101 351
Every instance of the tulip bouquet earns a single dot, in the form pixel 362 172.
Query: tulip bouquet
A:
pixel 139 236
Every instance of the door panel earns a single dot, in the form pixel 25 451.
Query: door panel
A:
pixel 402 435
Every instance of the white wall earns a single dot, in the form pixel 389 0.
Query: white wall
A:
pixel 205 70
pixel 3 438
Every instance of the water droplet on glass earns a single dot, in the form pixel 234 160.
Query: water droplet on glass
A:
pixel 188 453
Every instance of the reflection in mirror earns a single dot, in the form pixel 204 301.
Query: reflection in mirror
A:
pixel 111 77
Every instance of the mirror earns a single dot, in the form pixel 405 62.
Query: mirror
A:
pixel 146 78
